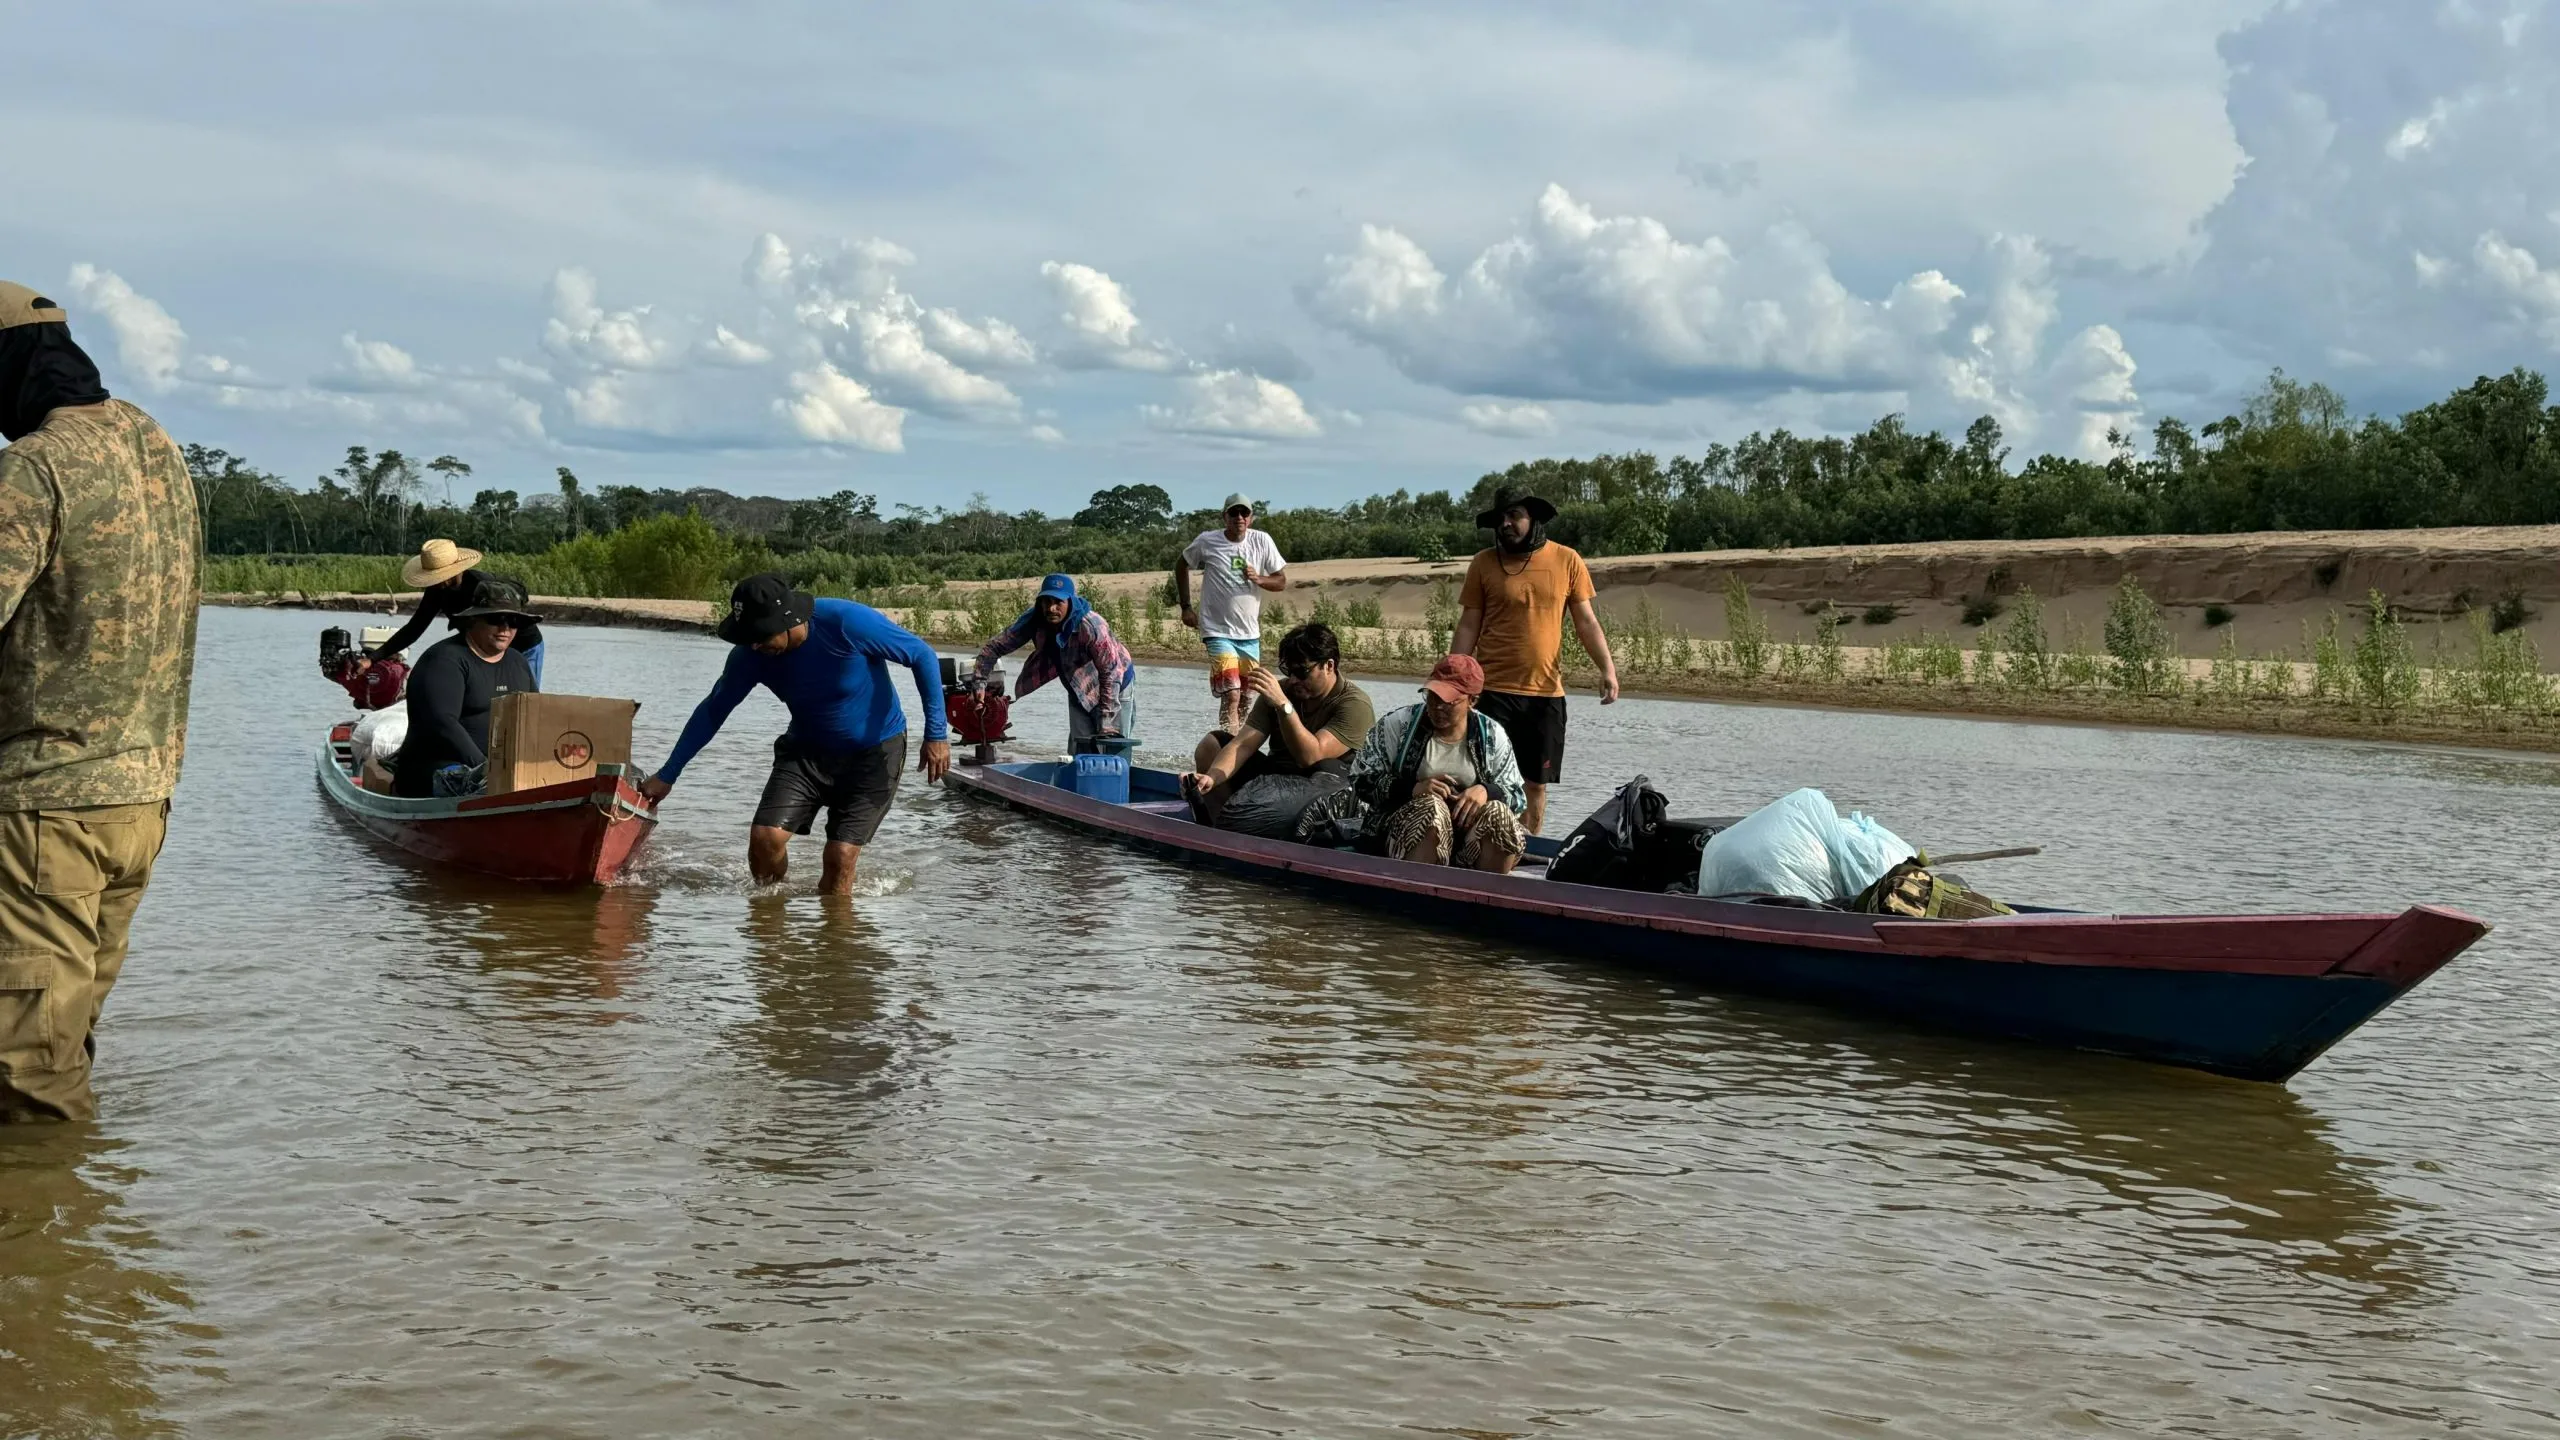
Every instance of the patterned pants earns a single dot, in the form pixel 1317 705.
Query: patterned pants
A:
pixel 1425 830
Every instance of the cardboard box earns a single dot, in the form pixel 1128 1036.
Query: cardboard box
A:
pixel 538 740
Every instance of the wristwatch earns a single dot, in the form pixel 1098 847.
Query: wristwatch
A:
pixel 1288 709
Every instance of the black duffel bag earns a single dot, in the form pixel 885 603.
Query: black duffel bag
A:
pixel 1632 843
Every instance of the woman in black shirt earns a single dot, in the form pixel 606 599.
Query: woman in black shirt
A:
pixel 452 688
pixel 446 580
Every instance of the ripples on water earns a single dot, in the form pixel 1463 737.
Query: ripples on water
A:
pixel 1037 1137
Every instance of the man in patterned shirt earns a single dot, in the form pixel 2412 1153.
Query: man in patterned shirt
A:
pixel 98 586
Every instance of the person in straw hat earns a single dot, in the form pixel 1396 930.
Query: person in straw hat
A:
pixel 443 574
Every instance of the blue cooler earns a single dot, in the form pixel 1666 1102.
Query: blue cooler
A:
pixel 1104 778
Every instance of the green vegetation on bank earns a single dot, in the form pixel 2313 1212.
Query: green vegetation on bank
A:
pixel 2292 459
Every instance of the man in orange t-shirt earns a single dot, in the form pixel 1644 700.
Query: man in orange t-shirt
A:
pixel 1512 614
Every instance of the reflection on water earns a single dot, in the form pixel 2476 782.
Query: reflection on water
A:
pixel 1038 1136
pixel 546 955
pixel 2195 1180
pixel 88 1325
pixel 816 966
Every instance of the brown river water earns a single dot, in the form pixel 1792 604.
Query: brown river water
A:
pixel 1037 1137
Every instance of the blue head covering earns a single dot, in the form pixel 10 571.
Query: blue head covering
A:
pixel 1063 587
pixel 1060 587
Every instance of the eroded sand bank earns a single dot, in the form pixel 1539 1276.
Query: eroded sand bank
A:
pixel 2273 583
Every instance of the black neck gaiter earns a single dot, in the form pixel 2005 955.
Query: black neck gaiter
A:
pixel 42 370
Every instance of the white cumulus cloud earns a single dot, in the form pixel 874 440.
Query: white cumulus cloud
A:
pixel 851 306
pixel 2068 396
pixel 1526 421
pixel 832 408
pixel 2396 193
pixel 2514 273
pixel 376 383
pixel 1236 405
pixel 149 341
pixel 1619 309
pixel 377 365
pixel 894 351
pixel 990 342
pixel 1584 306
pixel 581 328
pixel 728 347
pixel 1101 323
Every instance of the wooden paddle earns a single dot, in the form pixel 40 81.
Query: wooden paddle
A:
pixel 1970 856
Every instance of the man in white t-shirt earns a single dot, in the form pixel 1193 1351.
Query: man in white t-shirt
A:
pixel 1236 565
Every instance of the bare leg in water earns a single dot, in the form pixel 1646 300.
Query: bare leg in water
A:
pixel 769 860
pixel 835 872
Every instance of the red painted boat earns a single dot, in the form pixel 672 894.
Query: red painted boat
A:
pixel 2254 996
pixel 578 833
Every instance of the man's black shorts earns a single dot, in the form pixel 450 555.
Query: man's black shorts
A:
pixel 855 786
pixel 1535 724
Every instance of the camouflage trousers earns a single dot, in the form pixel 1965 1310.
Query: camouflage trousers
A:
pixel 69 883
pixel 1425 830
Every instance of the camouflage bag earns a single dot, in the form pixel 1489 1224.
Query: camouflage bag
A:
pixel 1911 892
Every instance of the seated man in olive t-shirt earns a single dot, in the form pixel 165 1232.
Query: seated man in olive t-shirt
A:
pixel 1309 717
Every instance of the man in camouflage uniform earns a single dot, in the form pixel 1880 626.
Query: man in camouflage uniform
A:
pixel 98 553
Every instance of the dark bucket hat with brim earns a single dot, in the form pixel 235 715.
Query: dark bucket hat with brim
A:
pixel 493 596
pixel 1539 510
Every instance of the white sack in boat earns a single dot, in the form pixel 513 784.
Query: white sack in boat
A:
pixel 1799 845
pixel 380 734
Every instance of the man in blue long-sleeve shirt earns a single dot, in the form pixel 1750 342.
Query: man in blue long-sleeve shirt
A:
pixel 828 662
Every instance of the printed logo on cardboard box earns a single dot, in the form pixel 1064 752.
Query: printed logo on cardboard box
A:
pixel 574 749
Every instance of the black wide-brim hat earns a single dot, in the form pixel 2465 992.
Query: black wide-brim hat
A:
pixel 1539 510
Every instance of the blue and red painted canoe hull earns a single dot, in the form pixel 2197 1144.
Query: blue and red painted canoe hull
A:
pixel 2253 996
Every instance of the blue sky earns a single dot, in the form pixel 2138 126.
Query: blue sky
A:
pixel 1310 250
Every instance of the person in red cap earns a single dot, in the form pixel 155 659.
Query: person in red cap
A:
pixel 1437 783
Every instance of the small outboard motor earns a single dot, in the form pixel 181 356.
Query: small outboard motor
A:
pixel 978 710
pixel 373 687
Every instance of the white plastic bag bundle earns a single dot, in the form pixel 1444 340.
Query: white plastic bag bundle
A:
pixel 380 734
pixel 1798 845
pixel 1861 851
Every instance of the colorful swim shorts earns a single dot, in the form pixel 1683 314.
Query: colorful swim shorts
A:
pixel 1227 661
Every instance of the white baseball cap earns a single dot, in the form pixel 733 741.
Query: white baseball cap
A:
pixel 1236 501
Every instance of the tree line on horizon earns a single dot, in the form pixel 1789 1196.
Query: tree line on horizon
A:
pixel 2488 454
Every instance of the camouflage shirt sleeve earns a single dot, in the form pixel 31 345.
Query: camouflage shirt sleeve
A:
pixel 29 520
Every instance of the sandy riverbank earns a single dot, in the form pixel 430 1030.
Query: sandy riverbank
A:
pixel 2271 584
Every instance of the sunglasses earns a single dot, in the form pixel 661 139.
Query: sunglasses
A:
pixel 1301 672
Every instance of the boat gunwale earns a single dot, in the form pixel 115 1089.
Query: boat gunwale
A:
pixel 609 789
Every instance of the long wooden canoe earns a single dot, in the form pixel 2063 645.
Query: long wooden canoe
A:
pixel 580 832
pixel 2253 996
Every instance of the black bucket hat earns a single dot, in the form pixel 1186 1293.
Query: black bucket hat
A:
pixel 495 596
pixel 1540 512
pixel 762 607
